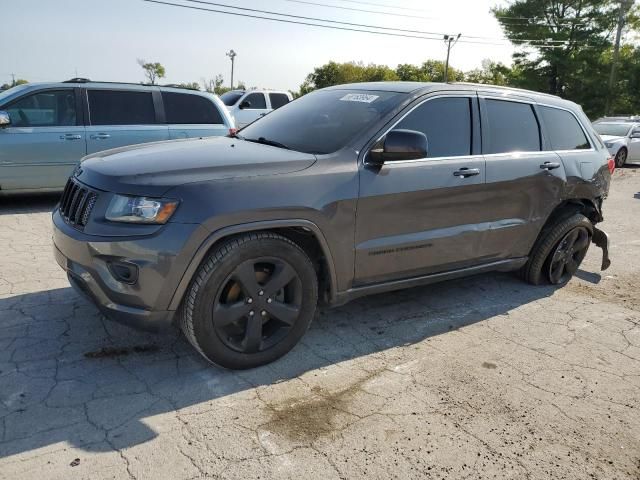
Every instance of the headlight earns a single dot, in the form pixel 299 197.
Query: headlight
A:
pixel 140 209
pixel 608 144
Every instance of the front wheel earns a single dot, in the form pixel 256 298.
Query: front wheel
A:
pixel 251 301
pixel 559 251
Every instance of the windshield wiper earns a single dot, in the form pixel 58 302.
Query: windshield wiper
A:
pixel 266 141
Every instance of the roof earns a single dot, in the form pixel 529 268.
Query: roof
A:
pixel 426 87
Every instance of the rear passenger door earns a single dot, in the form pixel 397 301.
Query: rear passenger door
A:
pixel 251 107
pixel 190 115
pixel 523 180
pixel 122 117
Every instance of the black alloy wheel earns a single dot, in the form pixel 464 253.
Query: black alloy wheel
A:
pixel 568 255
pixel 257 305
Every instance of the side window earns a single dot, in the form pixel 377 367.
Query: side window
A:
pixel 186 108
pixel 447 124
pixel 513 127
pixel 563 129
pixel 119 107
pixel 278 100
pixel 51 108
pixel 256 100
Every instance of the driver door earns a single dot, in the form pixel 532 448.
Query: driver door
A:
pixel 416 217
pixel 256 107
pixel 44 142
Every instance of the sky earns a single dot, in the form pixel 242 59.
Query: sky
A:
pixel 53 40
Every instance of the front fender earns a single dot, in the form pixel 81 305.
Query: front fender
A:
pixel 226 232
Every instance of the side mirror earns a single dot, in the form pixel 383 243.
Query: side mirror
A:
pixel 400 145
pixel 245 104
pixel 5 119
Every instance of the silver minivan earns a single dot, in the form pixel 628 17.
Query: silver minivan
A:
pixel 46 128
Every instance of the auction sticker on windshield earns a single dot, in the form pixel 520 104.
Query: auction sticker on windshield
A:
pixel 359 97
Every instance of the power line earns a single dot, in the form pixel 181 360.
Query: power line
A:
pixel 316 4
pixel 360 25
pixel 399 7
pixel 332 27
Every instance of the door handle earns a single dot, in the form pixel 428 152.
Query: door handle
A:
pixel 70 136
pixel 100 136
pixel 550 165
pixel 465 172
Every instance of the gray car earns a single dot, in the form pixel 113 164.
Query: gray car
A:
pixel 347 191
pixel 46 128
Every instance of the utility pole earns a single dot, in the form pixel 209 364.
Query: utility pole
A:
pixel 232 55
pixel 450 40
pixel 13 81
pixel 624 8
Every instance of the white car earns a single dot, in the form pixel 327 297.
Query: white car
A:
pixel 247 106
pixel 621 138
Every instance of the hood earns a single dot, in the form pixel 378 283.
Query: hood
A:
pixel 152 169
pixel 611 138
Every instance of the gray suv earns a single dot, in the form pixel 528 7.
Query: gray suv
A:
pixel 347 191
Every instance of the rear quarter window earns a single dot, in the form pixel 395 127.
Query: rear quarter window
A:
pixel 185 108
pixel 513 127
pixel 278 100
pixel 563 130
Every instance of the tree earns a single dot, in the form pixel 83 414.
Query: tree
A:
pixel 491 72
pixel 351 72
pixel 152 70
pixel 15 83
pixel 429 71
pixel 190 86
pixel 563 47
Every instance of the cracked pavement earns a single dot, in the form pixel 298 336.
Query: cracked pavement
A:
pixel 485 377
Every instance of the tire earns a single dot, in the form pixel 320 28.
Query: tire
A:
pixel 621 157
pixel 551 248
pixel 225 314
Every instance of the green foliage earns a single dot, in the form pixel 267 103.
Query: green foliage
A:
pixel 492 73
pixel 7 86
pixel 152 70
pixel 190 86
pixel 578 65
pixel 429 71
pixel 339 73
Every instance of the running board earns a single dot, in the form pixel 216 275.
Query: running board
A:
pixel 356 292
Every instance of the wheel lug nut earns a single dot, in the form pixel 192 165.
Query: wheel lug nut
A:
pixel 261 292
pixel 251 313
pixel 264 313
pixel 249 300
pixel 269 300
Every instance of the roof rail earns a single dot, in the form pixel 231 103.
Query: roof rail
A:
pixel 77 80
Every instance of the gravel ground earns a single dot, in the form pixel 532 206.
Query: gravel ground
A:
pixel 478 378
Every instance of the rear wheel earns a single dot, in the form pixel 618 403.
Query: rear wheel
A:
pixel 559 251
pixel 621 157
pixel 251 301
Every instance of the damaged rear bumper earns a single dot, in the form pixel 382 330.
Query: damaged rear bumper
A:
pixel 601 239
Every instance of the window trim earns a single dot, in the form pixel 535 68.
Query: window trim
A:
pixel 77 99
pixel 277 93
pixel 155 103
pixel 475 125
pixel 204 97
pixel 584 131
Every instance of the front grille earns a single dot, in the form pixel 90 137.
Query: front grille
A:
pixel 76 203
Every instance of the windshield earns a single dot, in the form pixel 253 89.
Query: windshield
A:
pixel 324 121
pixel 7 93
pixel 613 129
pixel 230 98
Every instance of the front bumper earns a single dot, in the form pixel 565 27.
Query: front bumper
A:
pixel 161 260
